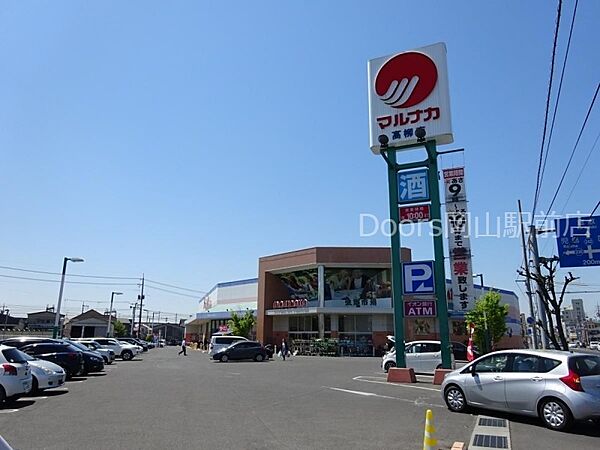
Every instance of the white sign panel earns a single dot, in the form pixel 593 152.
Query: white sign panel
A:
pixel 463 293
pixel 408 91
pixel 418 278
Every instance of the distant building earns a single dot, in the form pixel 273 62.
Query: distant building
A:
pixel 8 322
pixel 89 324
pixel 43 320
pixel 573 319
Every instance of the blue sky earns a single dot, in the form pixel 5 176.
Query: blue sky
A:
pixel 186 139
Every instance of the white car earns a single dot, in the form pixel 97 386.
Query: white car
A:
pixel 15 373
pixel 594 345
pixel 421 356
pixel 220 342
pixel 123 350
pixel 44 374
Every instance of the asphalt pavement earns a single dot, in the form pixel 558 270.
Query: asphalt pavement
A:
pixel 168 401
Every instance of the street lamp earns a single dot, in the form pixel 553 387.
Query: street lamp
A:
pixel 480 275
pixel 112 296
pixel 60 293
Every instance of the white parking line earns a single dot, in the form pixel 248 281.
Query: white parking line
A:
pixel 380 380
pixel 418 402
pixel 7 411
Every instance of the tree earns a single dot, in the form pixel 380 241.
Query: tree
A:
pixel 546 290
pixel 119 329
pixel 489 318
pixel 242 325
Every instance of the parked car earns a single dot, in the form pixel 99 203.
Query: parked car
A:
pixel 18 342
pixel 242 350
pixel 92 360
pixel 106 353
pixel 220 342
pixel 45 374
pixel 15 374
pixel 122 350
pixel 134 341
pixel 556 386
pixel 594 345
pixel 65 355
pixel 421 356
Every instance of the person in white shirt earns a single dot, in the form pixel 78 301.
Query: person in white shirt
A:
pixel 183 348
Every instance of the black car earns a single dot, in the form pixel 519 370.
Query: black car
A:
pixel 18 342
pixel 92 361
pixel 65 355
pixel 242 350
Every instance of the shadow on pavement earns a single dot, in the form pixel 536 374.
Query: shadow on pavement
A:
pixel 587 428
pixel 16 404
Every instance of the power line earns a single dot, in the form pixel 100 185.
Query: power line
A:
pixel 69 275
pixel 176 287
pixel 69 282
pixel 539 171
pixel 562 178
pixel 595 208
pixel 562 75
pixel 172 292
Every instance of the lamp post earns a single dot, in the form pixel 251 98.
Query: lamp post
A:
pixel 480 276
pixel 60 294
pixel 110 311
pixel 486 331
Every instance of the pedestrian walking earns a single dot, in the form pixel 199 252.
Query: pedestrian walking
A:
pixel 284 349
pixel 183 348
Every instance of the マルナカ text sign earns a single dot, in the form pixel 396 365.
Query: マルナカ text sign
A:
pixel 578 241
pixel 415 213
pixel 413 185
pixel 420 308
pixel 418 277
pixel 463 293
pixel 407 91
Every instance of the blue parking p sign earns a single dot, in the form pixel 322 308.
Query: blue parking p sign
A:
pixel 418 278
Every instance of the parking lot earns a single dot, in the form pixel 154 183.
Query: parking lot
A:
pixel 163 400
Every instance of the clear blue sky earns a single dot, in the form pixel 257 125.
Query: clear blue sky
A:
pixel 186 139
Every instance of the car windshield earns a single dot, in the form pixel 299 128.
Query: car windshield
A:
pixel 79 346
pixel 72 348
pixel 13 355
pixel 585 366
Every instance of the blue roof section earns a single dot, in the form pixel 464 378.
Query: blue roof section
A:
pixel 231 283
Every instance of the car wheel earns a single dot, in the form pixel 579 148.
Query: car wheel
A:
pixel 126 355
pixel 455 399
pixel 35 386
pixel 555 414
pixel 388 365
pixel 259 358
pixel 224 358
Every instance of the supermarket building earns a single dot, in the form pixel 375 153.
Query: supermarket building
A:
pixel 339 293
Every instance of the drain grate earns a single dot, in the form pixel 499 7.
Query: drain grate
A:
pixel 490 422
pixel 490 441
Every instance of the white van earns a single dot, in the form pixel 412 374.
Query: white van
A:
pixel 219 342
pixel 421 356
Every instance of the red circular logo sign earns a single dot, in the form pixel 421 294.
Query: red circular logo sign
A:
pixel 406 80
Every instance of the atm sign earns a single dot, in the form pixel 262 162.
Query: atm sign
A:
pixel 415 213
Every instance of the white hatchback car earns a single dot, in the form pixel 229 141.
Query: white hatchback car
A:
pixel 45 374
pixel 123 350
pixel 15 373
pixel 421 356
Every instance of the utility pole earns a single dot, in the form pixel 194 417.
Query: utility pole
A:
pixel 141 299
pixel 533 247
pixel 527 279
pixel 83 305
pixel 132 319
pixel 5 312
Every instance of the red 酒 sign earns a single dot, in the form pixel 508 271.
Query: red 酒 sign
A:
pixel 420 308
pixel 415 213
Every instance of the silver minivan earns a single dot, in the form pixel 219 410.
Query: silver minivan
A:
pixel 421 356
pixel 220 342
pixel 556 386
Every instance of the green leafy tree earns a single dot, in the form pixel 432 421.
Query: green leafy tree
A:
pixel 241 325
pixel 489 318
pixel 119 329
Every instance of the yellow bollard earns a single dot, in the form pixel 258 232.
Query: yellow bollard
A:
pixel 429 442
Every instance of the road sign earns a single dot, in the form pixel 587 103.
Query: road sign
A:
pixel 578 241
pixel 408 92
pixel 413 186
pixel 420 308
pixel 415 213
pixel 418 277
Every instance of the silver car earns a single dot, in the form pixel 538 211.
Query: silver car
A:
pixel 556 386
pixel 45 374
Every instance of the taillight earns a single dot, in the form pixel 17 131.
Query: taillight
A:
pixel 9 369
pixel 573 381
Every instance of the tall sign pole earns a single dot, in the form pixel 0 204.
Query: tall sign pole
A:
pixel 409 107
